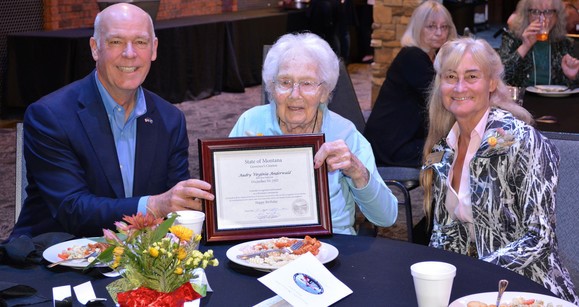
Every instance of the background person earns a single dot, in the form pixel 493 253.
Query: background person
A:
pixel 299 73
pixel 104 147
pixel 396 128
pixel 489 177
pixel 531 62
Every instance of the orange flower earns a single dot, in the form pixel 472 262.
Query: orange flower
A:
pixel 140 221
pixel 182 232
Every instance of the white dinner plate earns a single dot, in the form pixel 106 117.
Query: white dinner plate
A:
pixel 51 253
pixel 327 253
pixel 552 90
pixel 491 297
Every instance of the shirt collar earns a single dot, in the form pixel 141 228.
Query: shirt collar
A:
pixel 476 134
pixel 110 103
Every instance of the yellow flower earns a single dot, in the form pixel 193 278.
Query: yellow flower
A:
pixel 153 252
pixel 182 232
pixel 179 271
pixel 492 141
pixel 181 254
pixel 118 251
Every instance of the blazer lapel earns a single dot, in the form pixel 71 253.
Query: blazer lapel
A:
pixel 145 149
pixel 96 125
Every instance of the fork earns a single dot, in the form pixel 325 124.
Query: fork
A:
pixel 93 254
pixel 264 253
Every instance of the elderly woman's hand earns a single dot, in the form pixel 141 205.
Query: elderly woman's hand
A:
pixel 570 66
pixel 338 156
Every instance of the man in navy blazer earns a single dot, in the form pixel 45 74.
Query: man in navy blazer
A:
pixel 104 147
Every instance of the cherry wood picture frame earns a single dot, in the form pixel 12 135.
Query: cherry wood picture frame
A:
pixel 207 150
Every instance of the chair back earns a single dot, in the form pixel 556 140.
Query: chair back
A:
pixel 344 101
pixel 567 199
pixel 21 181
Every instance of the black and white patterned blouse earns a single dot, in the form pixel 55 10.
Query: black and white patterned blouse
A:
pixel 512 188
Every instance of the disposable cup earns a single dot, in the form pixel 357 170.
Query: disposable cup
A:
pixel 433 282
pixel 191 219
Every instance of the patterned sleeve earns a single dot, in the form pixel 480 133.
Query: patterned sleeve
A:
pixel 515 68
pixel 534 175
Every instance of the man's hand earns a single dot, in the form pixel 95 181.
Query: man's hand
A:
pixel 185 195
pixel 338 156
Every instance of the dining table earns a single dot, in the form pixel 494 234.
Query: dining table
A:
pixel 376 269
pixel 554 113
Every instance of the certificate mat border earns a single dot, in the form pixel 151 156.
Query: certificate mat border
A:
pixel 206 149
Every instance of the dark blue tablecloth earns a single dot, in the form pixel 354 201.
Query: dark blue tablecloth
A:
pixel 376 269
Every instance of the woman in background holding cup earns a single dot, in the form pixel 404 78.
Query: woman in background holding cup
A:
pixel 533 56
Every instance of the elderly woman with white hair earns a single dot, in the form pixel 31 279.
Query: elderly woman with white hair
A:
pixel 489 177
pixel 299 74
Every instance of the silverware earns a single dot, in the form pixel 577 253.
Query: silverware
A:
pixel 93 254
pixel 265 253
pixel 503 283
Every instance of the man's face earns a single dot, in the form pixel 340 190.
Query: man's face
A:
pixel 125 51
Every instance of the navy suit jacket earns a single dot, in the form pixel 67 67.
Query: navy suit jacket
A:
pixel 74 179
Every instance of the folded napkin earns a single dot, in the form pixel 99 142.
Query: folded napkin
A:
pixel 26 251
pixel 12 294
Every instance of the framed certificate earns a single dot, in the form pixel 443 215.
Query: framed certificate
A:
pixel 264 187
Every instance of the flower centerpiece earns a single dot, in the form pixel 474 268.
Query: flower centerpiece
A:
pixel 156 259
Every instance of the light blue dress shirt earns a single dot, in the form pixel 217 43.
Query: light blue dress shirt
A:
pixel 125 136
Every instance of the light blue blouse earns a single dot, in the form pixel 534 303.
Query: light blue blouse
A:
pixel 375 200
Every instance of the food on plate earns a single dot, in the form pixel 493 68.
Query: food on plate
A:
pixel 279 258
pixel 551 89
pixel 76 252
pixel 515 302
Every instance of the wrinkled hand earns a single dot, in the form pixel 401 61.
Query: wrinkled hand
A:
pixel 570 66
pixel 185 195
pixel 338 156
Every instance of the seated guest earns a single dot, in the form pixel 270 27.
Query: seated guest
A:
pixel 299 75
pixel 490 177
pixel 529 61
pixel 396 127
pixel 103 147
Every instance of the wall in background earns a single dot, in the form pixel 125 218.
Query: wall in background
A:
pixel 65 14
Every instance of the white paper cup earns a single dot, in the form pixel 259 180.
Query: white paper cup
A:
pixel 433 282
pixel 191 219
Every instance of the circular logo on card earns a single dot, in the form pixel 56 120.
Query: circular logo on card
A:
pixel 308 284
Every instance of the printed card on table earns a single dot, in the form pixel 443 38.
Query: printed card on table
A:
pixel 306 282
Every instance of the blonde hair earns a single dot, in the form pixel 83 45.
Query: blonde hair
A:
pixel 521 19
pixel 440 119
pixel 412 36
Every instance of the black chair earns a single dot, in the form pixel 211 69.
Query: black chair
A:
pixel 567 198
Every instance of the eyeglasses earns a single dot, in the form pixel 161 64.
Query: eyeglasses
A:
pixel 305 87
pixel 433 28
pixel 546 13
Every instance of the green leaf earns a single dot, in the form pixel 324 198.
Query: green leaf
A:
pixel 163 228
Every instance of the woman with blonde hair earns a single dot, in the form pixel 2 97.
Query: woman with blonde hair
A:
pixel 396 127
pixel 489 176
pixel 530 59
